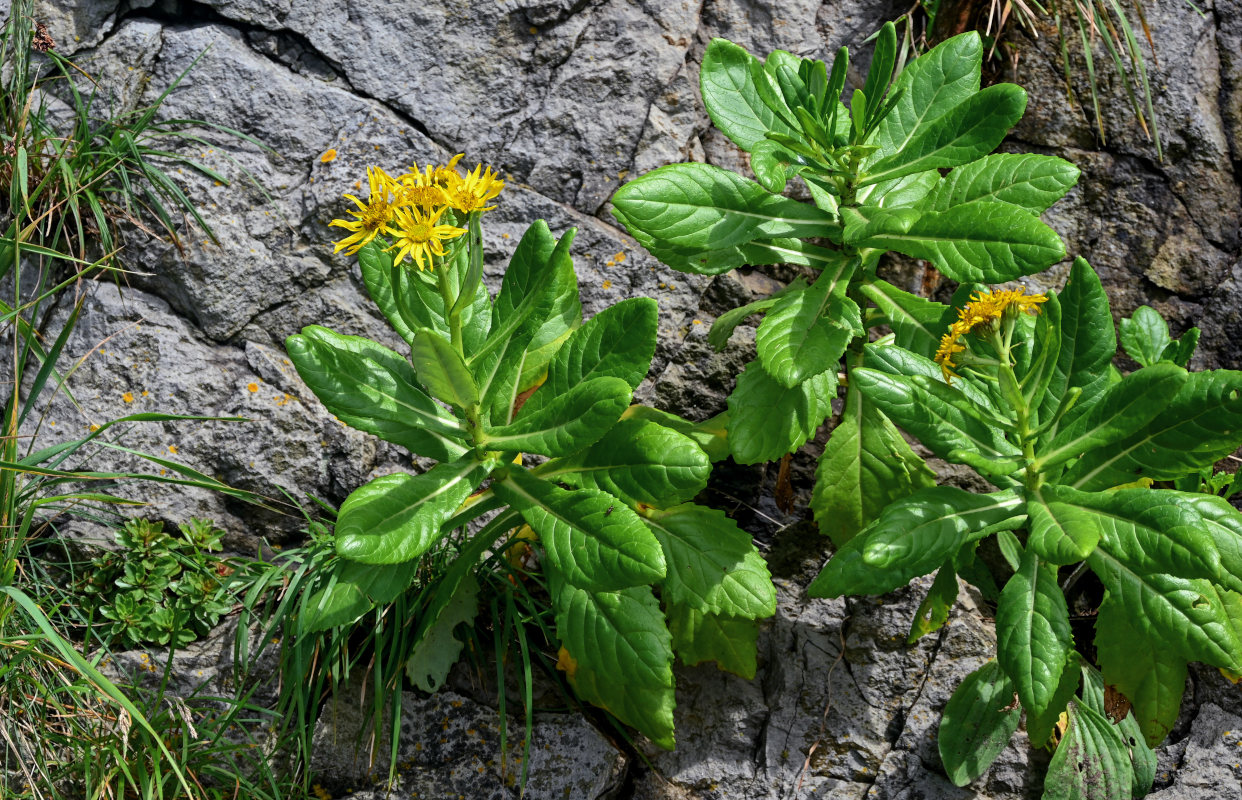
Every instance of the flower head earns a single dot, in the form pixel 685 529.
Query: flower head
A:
pixel 472 192
pixel 372 217
pixel 949 347
pixel 418 235
pixel 419 188
pixel 978 316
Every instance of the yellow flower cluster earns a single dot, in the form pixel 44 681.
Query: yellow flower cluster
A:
pixel 977 316
pixel 409 207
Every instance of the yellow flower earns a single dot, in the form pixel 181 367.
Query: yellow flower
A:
pixel 949 347
pixel 473 191
pixel 373 217
pixel 418 235
pixel 440 176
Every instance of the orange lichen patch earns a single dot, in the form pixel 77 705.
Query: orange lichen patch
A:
pixel 128 397
pixel 145 393
pixel 328 156
pixel 92 428
pixel 698 322
pixel 283 400
pixel 619 257
pixel 172 448
pixel 566 663
pixel 252 386
pixel 607 284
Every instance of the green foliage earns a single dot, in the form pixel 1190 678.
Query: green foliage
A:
pixel 1021 401
pixel 631 571
pixel 906 168
pixel 160 588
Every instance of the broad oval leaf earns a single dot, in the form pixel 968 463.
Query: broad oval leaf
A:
pixel 591 539
pixel 574 420
pixel 701 207
pixel 373 389
pixel 442 370
pixel 1033 639
pixel 1060 532
pixel 915 322
pixel 1091 762
pixel 618 342
pixel 731 98
pixel 713 565
pixel 808 330
pixel 395 518
pixel 699 637
pixel 978 722
pixel 1145 335
pixel 437 650
pixel 1031 182
pixel 639 461
pixel 1223 523
pixel 620 654
pixel 767 420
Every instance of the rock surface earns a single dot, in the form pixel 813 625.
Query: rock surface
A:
pixel 569 98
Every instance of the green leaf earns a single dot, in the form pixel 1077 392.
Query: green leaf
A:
pixel 1223 523
pixel 591 539
pixel 808 330
pixel 622 655
pixel 1091 763
pixel 1142 759
pixel 706 208
pixel 373 389
pixel 575 420
pixel 937 414
pixel 441 369
pixel 903 192
pixel 983 241
pixel 929 87
pixel 1152 678
pixel 731 98
pixel 395 518
pixel 1060 532
pixel 915 322
pixel 352 590
pixel 618 342
pixel 881 70
pixel 699 637
pixel 1088 344
pixel 1033 633
pixel 899 361
pixel 726 323
pixel 1125 407
pixel 767 420
pixel 713 565
pixel 933 612
pixel 1040 727
pixel 1031 182
pixel 970 130
pixel 912 537
pixel 639 461
pixel 438 649
pixel 1145 335
pixel 977 723
pixel 865 466
pixel 1197 427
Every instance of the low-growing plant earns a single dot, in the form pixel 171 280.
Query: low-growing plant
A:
pixel 874 171
pixel 1097 509
pixel 161 588
pixel 527 411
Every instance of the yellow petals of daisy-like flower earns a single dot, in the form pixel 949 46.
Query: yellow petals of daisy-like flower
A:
pixel 373 217
pixel 419 236
pixel 472 192
pixel 949 347
pixel 977 317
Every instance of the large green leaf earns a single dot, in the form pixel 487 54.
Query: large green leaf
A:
pixel 373 389
pixel 575 420
pixel 1142 759
pixel 971 129
pixel 929 87
pixel 1126 406
pixel 731 98
pixel 592 540
pixel 621 655
pixel 808 330
pixel 1060 531
pixel 1091 762
pixel 1152 678
pixel 639 461
pixel 899 361
pixel 866 465
pixel 1198 426
pixel 438 649
pixel 1033 639
pixel 912 537
pixel 1031 182
pixel 1145 335
pixel 441 369
pixel 352 589
pixel 983 241
pixel 707 208
pixel 726 323
pixel 977 723
pixel 916 322
pixel 1088 344
pixel 767 420
pixel 395 518
pixel 1223 523
pixel 713 565
pixel 934 413
pixel 699 637
pixel 618 342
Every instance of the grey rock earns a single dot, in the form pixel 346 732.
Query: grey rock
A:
pixel 1208 766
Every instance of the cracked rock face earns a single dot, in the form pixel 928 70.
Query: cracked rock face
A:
pixel 569 98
